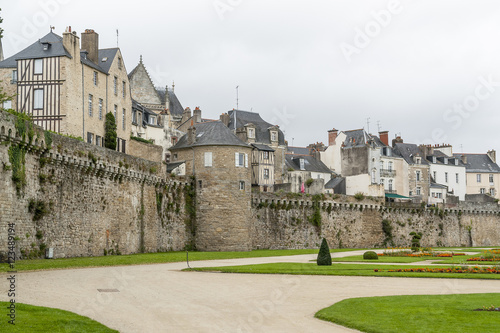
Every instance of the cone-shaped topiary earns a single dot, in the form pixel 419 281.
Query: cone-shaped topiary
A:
pixel 324 257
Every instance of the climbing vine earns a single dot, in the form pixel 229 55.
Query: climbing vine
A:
pixel 190 208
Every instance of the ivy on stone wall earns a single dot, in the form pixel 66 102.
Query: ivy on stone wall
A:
pixel 190 208
pixel 315 218
pixel 17 158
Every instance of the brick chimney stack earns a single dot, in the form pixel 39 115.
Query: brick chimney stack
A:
pixel 384 137
pixel 71 43
pixel 332 136
pixel 191 135
pixel 90 43
pixel 398 139
pixel 493 155
pixel 225 119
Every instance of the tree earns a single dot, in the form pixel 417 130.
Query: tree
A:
pixel 324 257
pixel 110 131
pixel 1 30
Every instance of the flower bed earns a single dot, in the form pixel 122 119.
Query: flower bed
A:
pixel 483 259
pixel 475 269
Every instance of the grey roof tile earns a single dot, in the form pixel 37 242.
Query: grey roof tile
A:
pixel 262 127
pixel 262 147
pixel 479 163
pixel 407 151
pixel 211 134
pixel 310 163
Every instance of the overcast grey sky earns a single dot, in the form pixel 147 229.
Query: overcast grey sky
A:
pixel 425 69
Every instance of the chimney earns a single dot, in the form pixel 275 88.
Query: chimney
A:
pixel 225 119
pixel 398 139
pixel 186 114
pixel 71 43
pixel 191 135
pixel 464 158
pixel 90 43
pixel 493 155
pixel 197 115
pixel 332 136
pixel 384 137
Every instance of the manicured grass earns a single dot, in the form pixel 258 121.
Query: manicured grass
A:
pixel 459 260
pixel 382 259
pixel 343 270
pixel 148 258
pixel 422 313
pixel 31 318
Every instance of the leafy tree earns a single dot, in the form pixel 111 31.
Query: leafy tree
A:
pixel 324 257
pixel 110 131
pixel 1 30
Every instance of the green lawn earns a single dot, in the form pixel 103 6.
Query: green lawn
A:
pixel 382 259
pixel 31 318
pixel 343 270
pixel 423 313
pixel 148 258
pixel 459 260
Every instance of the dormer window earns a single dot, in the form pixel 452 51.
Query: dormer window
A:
pixel 152 120
pixel 302 164
pixel 456 161
pixel 274 136
pixel 418 160
pixel 251 133
pixel 433 159
pixel 445 160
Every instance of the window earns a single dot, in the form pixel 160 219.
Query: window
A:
pixel 38 99
pixel 123 86
pixel 418 176
pixel 265 155
pixel 90 137
pixel 418 160
pixel 482 191
pixel 208 159
pixel 100 108
pixel 419 190
pixel 116 109
pixel 439 195
pixel 382 181
pixel 200 184
pixel 251 133
pixel 302 164
pixel 390 185
pixel 491 179
pixel 456 178
pixel 274 136
pixel 115 85
pixel 446 177
pixel 241 160
pixel 152 120
pixel 456 161
pixel 381 165
pixel 7 105
pixel 90 105
pixel 242 185
pixel 266 173
pixel 492 192
pixel 478 177
pixel 134 117
pixel 119 63
pixel 14 76
pixel 445 160
pixel 95 78
pixel 434 175
pixel 123 119
pixel 38 66
pixel 98 140
pixel 433 159
pixel 411 193
pixel 374 176
pixel 389 166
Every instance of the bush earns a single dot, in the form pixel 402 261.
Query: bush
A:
pixel 324 257
pixel 359 196
pixel 110 131
pixel 370 255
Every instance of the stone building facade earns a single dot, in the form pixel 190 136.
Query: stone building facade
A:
pixel 69 89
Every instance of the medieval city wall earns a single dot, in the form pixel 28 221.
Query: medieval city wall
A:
pixel 84 200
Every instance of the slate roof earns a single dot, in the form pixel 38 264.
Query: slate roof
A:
pixel 436 185
pixel 440 157
pixel 107 53
pixel 299 150
pixel 36 51
pixel 261 126
pixel 333 182
pixel 175 106
pixel 146 112
pixel 310 164
pixel 359 138
pixel 407 151
pixel 171 166
pixel 262 147
pixel 479 163
pixel 211 134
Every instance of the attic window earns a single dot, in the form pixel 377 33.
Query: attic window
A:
pixel 200 134
pixel 445 160
pixel 433 159
pixel 104 59
pixel 302 164
pixel 45 46
pixel 456 161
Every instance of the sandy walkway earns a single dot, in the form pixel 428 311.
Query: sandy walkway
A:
pixel 161 298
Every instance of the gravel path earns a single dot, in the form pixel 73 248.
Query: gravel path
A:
pixel 162 298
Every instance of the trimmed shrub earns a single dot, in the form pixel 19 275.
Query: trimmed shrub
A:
pixel 370 255
pixel 324 257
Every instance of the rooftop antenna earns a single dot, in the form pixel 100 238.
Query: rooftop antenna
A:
pixel 368 124
pixel 52 28
pixel 237 100
pixel 378 125
pixel 116 37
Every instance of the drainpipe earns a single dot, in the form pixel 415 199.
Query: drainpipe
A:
pixel 83 105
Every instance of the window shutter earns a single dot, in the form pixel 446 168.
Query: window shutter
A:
pixel 208 159
pixel 246 160
pixel 236 159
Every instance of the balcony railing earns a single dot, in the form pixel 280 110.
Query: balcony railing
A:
pixel 390 191
pixel 387 173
